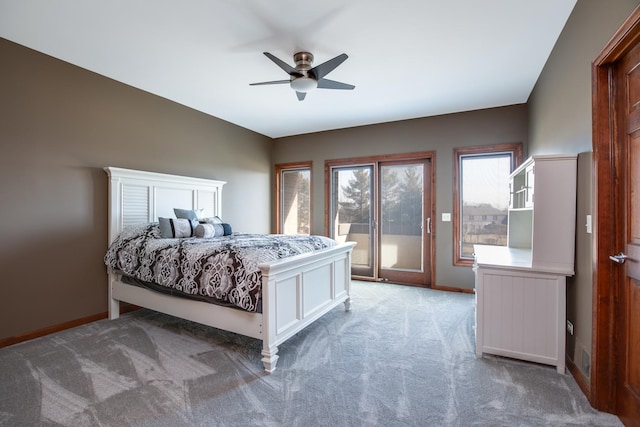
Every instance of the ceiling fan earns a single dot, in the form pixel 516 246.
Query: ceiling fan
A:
pixel 304 78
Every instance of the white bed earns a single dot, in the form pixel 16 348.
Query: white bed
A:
pixel 295 291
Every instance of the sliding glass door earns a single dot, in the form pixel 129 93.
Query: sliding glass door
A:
pixel 403 223
pixel 352 204
pixel 384 207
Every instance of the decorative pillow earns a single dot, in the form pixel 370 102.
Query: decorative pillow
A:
pixel 171 228
pixel 204 230
pixel 207 230
pixel 227 229
pixel 211 220
pixel 190 214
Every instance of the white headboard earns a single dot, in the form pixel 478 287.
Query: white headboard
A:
pixel 140 197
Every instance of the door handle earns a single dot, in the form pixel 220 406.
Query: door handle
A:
pixel 620 258
pixel 429 225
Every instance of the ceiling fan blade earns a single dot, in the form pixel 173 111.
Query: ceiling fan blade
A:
pixel 332 84
pixel 319 71
pixel 274 82
pixel 301 95
pixel 286 67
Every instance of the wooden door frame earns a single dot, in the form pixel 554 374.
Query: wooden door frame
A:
pixel 608 238
pixel 279 168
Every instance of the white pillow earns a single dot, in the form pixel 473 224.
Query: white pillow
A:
pixel 211 220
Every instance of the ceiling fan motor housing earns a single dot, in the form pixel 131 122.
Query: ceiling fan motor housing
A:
pixel 304 83
pixel 303 60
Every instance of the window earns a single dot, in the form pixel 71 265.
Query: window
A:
pixel 293 198
pixel 481 197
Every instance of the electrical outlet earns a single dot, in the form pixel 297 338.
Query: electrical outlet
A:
pixel 446 217
pixel 569 327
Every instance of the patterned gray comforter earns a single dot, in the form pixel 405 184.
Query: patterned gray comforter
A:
pixel 225 268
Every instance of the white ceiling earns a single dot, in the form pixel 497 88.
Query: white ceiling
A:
pixel 407 58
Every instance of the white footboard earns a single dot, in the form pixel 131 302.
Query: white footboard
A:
pixel 298 291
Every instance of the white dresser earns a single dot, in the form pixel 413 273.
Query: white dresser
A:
pixel 521 288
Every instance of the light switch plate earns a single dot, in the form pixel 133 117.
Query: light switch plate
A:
pixel 588 224
pixel 446 217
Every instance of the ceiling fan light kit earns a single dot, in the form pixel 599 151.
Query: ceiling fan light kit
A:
pixel 304 84
pixel 305 78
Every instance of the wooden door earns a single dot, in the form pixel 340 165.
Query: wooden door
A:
pixel 627 311
pixel 615 374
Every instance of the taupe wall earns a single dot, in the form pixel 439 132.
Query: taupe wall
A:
pixel 560 122
pixel 440 134
pixel 59 126
pixel 560 104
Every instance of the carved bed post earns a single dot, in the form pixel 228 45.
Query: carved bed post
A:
pixel 269 322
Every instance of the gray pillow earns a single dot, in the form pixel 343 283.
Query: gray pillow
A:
pixel 190 214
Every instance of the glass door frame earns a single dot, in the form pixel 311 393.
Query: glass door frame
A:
pixel 358 269
pixel 420 276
